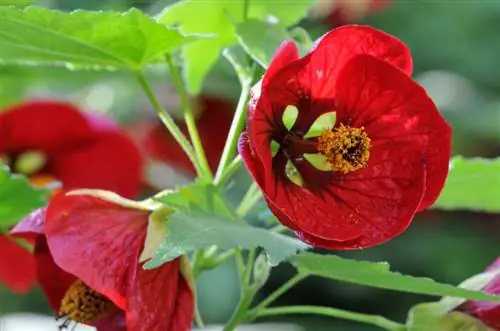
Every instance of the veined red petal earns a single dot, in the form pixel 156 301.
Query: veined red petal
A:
pixel 31 226
pixel 110 161
pixel 158 300
pixel 112 321
pixel 42 125
pixel 285 54
pixel 107 236
pixel 17 266
pixel 392 107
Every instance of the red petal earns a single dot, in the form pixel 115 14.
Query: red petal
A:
pixel 112 321
pixel 286 54
pixel 17 266
pixel 43 125
pixel 393 107
pixel 97 241
pixel 159 299
pixel 31 226
pixel 53 280
pixel 108 161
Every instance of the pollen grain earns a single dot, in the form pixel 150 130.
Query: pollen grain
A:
pixel 82 304
pixel 346 149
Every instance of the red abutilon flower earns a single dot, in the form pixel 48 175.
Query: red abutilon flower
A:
pixel 339 12
pixel 47 141
pixel 486 312
pixel 345 146
pixel 213 122
pixel 89 250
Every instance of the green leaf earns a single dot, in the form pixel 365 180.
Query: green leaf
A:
pixel 377 274
pixel 261 39
pixel 204 218
pixel 219 18
pixel 87 39
pixel 17 198
pixel 472 184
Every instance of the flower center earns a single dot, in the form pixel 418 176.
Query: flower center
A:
pixel 82 304
pixel 346 149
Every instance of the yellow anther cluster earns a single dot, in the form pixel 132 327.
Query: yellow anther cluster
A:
pixel 82 304
pixel 346 149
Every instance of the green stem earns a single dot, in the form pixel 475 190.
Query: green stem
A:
pixel 239 314
pixel 189 119
pixel 229 171
pixel 197 263
pixel 379 321
pixel 252 196
pixel 235 130
pixel 279 292
pixel 248 271
pixel 168 121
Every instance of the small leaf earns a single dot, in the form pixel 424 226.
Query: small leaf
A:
pixel 89 39
pixel 324 122
pixel 237 57
pixel 17 198
pixel 261 39
pixel 378 275
pixel 289 117
pixel 472 184
pixel 203 219
pixel 156 232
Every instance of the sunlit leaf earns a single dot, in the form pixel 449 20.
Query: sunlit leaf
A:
pixel 102 39
pixel 378 274
pixel 261 39
pixel 472 184
pixel 219 18
pixel 17 198
pixel 203 219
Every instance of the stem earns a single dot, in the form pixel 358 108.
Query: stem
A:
pixel 168 121
pixel 248 271
pixel 249 200
pixel 189 119
pixel 241 309
pixel 229 171
pixel 379 321
pixel 278 292
pixel 235 130
pixel 197 263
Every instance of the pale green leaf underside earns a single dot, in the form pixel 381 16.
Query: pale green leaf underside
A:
pixel 472 184
pixel 17 198
pixel 204 218
pixel 96 39
pixel 379 275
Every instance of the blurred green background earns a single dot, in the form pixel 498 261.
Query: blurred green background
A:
pixel 456 47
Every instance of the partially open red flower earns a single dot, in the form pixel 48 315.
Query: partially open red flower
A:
pixel 486 312
pixel 213 124
pixel 47 141
pixel 87 251
pixel 345 146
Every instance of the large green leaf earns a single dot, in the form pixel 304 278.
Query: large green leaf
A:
pixel 101 39
pixel 472 184
pixel 261 39
pixel 378 274
pixel 17 198
pixel 218 18
pixel 203 218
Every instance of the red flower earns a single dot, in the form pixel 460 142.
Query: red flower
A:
pixel 87 253
pixel 486 312
pixel 49 140
pixel 336 13
pixel 213 125
pixel 345 146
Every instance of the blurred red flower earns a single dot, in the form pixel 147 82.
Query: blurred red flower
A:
pixel 87 255
pixel 213 122
pixel 340 12
pixel 486 312
pixel 47 141
pixel 345 146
